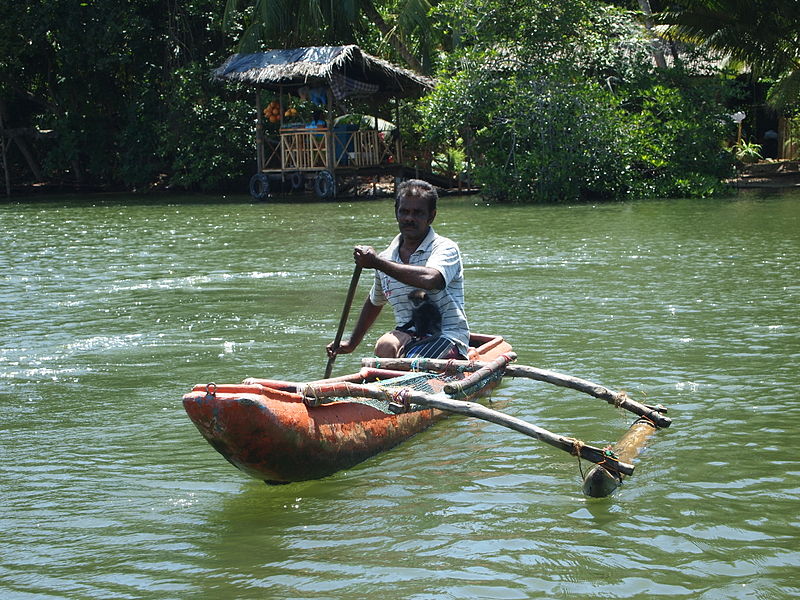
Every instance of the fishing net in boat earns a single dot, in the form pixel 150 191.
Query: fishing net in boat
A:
pixel 399 393
pixel 429 383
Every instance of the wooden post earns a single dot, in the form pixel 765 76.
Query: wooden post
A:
pixel 398 145
pixel 280 129
pixel 5 160
pixel 376 154
pixel 331 158
pixel 600 482
pixel 619 399
pixel 259 133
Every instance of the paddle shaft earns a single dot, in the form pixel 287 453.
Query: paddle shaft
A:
pixel 343 321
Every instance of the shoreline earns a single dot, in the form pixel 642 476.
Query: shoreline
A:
pixel 772 174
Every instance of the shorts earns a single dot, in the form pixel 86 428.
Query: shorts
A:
pixel 434 347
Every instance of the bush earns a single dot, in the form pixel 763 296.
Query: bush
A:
pixel 673 141
pixel 578 113
pixel 207 135
pixel 554 143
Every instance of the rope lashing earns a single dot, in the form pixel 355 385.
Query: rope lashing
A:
pixel 399 402
pixel 310 398
pixel 577 446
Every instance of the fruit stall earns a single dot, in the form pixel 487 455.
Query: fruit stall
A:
pixel 327 117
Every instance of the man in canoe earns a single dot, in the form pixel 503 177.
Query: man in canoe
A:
pixel 417 259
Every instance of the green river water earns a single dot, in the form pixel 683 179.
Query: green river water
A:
pixel 114 307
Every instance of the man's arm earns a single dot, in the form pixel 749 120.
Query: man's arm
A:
pixel 369 312
pixel 425 278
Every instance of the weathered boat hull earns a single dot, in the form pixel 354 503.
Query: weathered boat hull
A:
pixel 265 429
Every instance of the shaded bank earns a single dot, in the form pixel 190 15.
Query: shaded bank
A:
pixel 779 174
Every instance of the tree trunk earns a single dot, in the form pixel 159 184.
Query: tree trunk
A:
pixel 658 55
pixel 16 135
pixel 388 32
pixel 25 150
pixel 3 153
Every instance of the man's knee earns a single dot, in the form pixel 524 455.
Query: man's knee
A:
pixel 390 345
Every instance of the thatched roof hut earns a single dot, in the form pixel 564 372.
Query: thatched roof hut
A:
pixel 322 151
pixel 347 70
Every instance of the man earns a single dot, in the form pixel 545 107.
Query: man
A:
pixel 417 259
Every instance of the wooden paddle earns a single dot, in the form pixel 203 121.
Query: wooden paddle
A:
pixel 343 321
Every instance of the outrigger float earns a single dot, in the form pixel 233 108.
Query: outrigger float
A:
pixel 281 431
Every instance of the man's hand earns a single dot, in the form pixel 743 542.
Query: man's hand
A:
pixel 345 347
pixel 418 276
pixel 365 256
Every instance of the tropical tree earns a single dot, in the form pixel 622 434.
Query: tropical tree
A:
pixel 116 93
pixel 282 24
pixel 559 101
pixel 647 13
pixel 764 34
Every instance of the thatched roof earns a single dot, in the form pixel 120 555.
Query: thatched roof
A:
pixel 347 70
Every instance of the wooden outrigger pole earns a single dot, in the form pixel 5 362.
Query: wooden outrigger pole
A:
pixel 607 474
pixel 315 393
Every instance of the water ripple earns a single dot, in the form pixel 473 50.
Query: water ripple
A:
pixel 110 492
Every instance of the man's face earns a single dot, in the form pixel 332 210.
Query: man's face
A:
pixel 413 218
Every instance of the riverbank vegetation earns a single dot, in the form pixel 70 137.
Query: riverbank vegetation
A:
pixel 535 101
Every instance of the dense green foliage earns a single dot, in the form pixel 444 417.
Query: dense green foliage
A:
pixel 541 101
pixel 764 34
pixel 571 108
pixel 398 30
pixel 124 88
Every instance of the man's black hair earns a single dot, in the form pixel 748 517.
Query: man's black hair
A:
pixel 420 189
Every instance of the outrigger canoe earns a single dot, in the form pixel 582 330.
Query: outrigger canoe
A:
pixel 278 431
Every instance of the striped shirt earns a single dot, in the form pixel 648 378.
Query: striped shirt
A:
pixel 436 252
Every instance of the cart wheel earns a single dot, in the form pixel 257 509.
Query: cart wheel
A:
pixel 325 185
pixel 259 186
pixel 297 180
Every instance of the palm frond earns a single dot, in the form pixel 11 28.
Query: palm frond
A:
pixel 784 95
pixel 231 6
pixel 755 31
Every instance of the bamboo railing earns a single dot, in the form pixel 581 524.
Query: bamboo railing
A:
pixel 308 150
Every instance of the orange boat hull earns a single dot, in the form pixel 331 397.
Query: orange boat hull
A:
pixel 265 429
